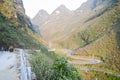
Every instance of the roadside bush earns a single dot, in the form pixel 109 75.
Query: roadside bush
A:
pixel 59 69
pixel 41 67
pixel 64 71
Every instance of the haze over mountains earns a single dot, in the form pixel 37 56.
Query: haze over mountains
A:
pixel 62 21
pixel 92 31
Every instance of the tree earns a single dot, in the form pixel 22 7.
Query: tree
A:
pixel 85 37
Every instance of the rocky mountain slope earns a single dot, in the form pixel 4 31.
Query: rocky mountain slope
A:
pixel 91 30
pixel 15 26
pixel 99 36
pixel 56 21
pixel 62 22
pixel 39 19
pixel 84 18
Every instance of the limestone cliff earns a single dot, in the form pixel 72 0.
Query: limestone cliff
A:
pixel 15 26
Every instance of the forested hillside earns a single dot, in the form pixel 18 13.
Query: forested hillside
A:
pixel 15 26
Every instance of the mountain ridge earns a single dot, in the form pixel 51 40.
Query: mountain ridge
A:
pixel 38 20
pixel 56 18
pixel 67 19
pixel 40 17
pixel 91 33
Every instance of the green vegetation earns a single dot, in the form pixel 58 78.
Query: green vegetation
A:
pixel 94 75
pixel 13 27
pixel 104 40
pixel 96 27
pixel 15 31
pixel 50 66
pixel 98 35
pixel 105 33
pixel 6 8
pixel 15 36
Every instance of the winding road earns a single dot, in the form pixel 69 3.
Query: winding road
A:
pixel 93 69
pixel 85 60
pixel 89 61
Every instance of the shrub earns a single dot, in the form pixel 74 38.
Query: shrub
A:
pixel 64 71
pixel 42 68
pixel 59 69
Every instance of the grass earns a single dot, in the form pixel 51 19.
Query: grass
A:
pixel 94 75
pixel 95 29
pixel 16 37
pixel 51 66
pixel 13 31
pixel 104 43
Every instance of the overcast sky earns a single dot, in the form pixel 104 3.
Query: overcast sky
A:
pixel 33 6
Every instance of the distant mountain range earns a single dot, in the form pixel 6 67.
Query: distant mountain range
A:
pixel 62 21
pixel 41 16
pixel 92 31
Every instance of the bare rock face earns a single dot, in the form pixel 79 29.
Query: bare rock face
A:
pixel 40 17
pixel 55 21
pixel 20 13
pixel 38 20
pixel 14 23
pixel 18 4
pixel 63 21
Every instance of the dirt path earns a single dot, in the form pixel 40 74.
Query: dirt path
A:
pixel 8 66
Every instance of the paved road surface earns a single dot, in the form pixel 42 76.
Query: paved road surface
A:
pixel 93 69
pixel 8 66
pixel 89 60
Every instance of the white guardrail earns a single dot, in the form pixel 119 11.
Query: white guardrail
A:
pixel 25 71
